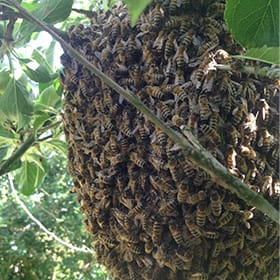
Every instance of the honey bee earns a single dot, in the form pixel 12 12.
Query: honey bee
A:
pixel 180 92
pixel 196 198
pixel 149 246
pixel 264 108
pixel 192 227
pixel 157 232
pixel 274 190
pixel 135 74
pixel 186 39
pixel 266 140
pixel 175 232
pixel 179 77
pixel 247 257
pixel 173 22
pixel 168 207
pixel 186 256
pixel 217 248
pixel 164 110
pixel 199 276
pixel 188 169
pixel 274 157
pixel 106 55
pixel 200 177
pixel 210 234
pixel 267 183
pixel 105 238
pixel 131 270
pixel 159 41
pixel 238 113
pixel 207 47
pixel 173 5
pixel 225 218
pixel 154 91
pixel 115 29
pixel 201 214
pixel 248 152
pixel 214 24
pixel 159 184
pixel 161 137
pixel 106 122
pixel 215 203
pixel 98 104
pixel 175 174
pixel 181 58
pixel 209 133
pixel 183 192
pixel 169 45
pixel 157 14
pixel 231 157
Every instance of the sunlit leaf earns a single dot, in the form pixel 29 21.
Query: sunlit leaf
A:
pixel 40 58
pixel 50 11
pixel 40 119
pixel 58 145
pixel 5 133
pixel 47 98
pixel 29 177
pixel 56 10
pixel 40 74
pixel 3 151
pixel 135 8
pixel 4 79
pixel 30 7
pixel 15 103
pixel 253 23
pixel 265 54
pixel 50 53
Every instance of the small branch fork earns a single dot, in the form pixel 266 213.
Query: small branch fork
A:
pixel 198 156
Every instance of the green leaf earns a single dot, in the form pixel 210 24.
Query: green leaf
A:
pixel 40 120
pixel 15 103
pixel 30 7
pixel 4 79
pixel 50 11
pixel 50 53
pixel 56 10
pixel 29 177
pixel 40 74
pixel 40 58
pixel 6 136
pixel 3 151
pixel 253 23
pixel 265 54
pixel 135 8
pixel 58 145
pixel 48 98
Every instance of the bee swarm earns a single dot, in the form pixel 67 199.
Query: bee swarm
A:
pixel 152 213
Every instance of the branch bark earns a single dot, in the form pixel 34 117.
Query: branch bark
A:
pixel 198 156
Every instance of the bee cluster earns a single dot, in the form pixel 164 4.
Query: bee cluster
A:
pixel 152 213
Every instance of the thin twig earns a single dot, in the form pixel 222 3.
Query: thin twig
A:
pixel 199 157
pixel 84 249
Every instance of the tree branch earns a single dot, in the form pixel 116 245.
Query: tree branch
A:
pixel 200 157
pixel 4 168
pixel 41 226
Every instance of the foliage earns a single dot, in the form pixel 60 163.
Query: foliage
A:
pixel 255 24
pixel 29 253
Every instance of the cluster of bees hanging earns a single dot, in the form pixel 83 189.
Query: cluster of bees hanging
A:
pixel 152 213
